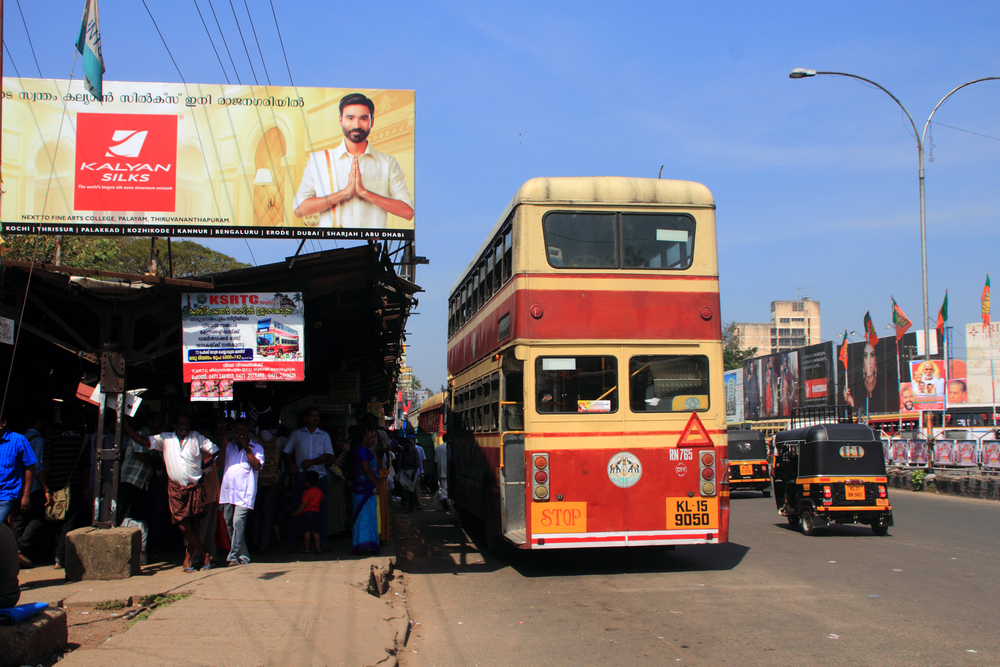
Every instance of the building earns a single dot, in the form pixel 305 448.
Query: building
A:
pixel 793 324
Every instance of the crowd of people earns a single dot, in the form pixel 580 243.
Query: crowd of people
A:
pixel 221 490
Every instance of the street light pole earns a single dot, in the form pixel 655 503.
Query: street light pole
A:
pixel 800 73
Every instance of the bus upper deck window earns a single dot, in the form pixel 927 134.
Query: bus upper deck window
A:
pixel 657 241
pixel 576 384
pixel 580 240
pixel 668 383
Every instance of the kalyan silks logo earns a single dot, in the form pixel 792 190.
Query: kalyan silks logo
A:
pixel 125 162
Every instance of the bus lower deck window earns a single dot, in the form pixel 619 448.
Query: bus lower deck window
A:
pixel 668 383
pixel 576 384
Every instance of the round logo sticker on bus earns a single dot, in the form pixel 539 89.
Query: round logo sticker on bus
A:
pixel 624 469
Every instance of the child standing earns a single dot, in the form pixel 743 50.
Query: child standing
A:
pixel 309 510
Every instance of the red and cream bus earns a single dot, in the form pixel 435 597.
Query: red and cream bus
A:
pixel 586 397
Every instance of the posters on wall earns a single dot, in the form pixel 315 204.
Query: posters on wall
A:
pixel 929 388
pixel 734 395
pixel 211 390
pixel 243 337
pixel 168 159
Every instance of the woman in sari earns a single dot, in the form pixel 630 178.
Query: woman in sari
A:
pixel 365 532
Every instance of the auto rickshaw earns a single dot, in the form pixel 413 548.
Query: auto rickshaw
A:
pixel 831 473
pixel 748 467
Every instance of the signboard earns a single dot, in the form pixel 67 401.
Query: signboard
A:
pixel 734 395
pixel 345 387
pixel 771 385
pixel 991 454
pixel 928 384
pixel 965 453
pixel 816 371
pixel 243 337
pixel 982 346
pixel 168 159
pixel 944 452
pixel 6 330
pixel 211 390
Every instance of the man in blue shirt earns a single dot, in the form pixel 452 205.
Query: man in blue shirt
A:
pixel 17 472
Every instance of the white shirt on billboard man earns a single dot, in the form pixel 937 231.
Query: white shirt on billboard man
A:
pixel 353 185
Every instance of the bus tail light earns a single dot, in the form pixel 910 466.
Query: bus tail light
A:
pixel 540 476
pixel 706 467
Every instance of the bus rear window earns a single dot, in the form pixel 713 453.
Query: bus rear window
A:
pixel 668 383
pixel 657 241
pixel 581 240
pixel 576 384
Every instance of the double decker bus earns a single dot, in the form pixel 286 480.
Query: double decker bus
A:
pixel 276 339
pixel 586 399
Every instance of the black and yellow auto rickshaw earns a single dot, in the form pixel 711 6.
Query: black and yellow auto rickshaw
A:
pixel 831 473
pixel 748 467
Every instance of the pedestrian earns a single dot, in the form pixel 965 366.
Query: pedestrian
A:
pixel 269 483
pixel 28 526
pixel 211 528
pixel 308 448
pixel 409 468
pixel 365 535
pixel 135 503
pixel 17 472
pixel 441 459
pixel 244 457
pixel 309 511
pixel 185 452
pixel 68 473
pixel 10 588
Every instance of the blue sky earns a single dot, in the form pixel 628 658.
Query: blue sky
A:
pixel 815 179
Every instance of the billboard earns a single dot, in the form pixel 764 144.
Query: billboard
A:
pixel 872 374
pixel 167 159
pixel 816 371
pixel 241 338
pixel 734 395
pixel 771 387
pixel 982 344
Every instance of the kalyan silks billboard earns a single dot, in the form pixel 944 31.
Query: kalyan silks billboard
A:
pixel 168 159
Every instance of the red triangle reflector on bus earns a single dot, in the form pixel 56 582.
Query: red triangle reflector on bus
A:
pixel 694 434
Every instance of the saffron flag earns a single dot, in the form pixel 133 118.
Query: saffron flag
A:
pixel 986 302
pixel 899 320
pixel 89 46
pixel 943 314
pixel 870 330
pixel 843 351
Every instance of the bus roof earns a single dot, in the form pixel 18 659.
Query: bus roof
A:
pixel 609 190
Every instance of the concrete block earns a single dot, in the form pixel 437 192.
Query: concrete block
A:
pixel 33 641
pixel 106 554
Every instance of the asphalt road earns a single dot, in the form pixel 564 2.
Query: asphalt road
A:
pixel 926 594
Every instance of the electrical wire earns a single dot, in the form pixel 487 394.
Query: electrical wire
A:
pixel 236 18
pixel 282 42
pixel 261 52
pixel 212 42
pixel 164 42
pixel 30 45
pixel 225 43
pixel 950 127
pixel 11 59
pixel 251 251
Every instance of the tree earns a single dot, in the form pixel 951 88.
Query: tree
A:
pixel 417 384
pixel 120 255
pixel 733 355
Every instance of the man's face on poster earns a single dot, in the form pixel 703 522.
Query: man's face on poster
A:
pixel 957 392
pixel 906 396
pixel 356 121
pixel 929 371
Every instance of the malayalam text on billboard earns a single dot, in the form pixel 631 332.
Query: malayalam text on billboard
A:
pixel 167 159
pixel 243 337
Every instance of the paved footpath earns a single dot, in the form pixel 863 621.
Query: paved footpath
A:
pixel 302 613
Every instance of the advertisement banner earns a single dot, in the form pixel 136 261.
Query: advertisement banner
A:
pixel 243 337
pixel 211 390
pixel 918 452
pixel 982 344
pixel 899 451
pixel 169 159
pixel 928 384
pixel 871 380
pixel 991 454
pixel 771 385
pixel 734 395
pixel 965 453
pixel 944 452
pixel 816 370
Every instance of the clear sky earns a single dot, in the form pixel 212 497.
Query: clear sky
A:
pixel 815 179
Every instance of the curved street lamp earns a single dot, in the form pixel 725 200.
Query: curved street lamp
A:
pixel 801 73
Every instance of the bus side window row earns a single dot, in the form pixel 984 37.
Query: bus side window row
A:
pixel 485 279
pixel 477 405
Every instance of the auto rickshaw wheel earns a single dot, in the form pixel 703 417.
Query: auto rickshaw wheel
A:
pixel 880 531
pixel 807 523
pixel 793 520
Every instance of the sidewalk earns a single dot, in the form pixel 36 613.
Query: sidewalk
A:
pixel 285 610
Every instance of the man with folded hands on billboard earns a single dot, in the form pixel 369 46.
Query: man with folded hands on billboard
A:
pixel 354 186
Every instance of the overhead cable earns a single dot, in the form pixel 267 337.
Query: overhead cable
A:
pixel 236 72
pixel 238 28
pixel 212 42
pixel 282 42
pixel 30 45
pixel 261 52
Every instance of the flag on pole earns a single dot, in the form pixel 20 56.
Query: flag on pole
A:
pixel 89 46
pixel 986 302
pixel 843 351
pixel 870 333
pixel 943 314
pixel 899 320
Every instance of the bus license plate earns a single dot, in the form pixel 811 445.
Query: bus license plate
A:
pixel 855 492
pixel 692 513
pixel 746 469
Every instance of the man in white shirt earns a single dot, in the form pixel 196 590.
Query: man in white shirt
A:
pixel 244 459
pixel 308 448
pixel 184 454
pixel 441 459
pixel 354 186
